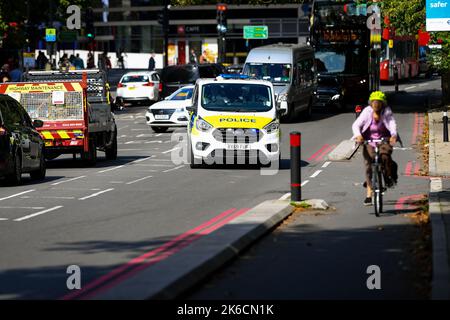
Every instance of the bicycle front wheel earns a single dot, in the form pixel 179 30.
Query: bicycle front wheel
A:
pixel 378 193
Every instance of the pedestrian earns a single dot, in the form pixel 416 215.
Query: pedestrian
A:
pixel 193 57
pixel 15 74
pixel 41 61
pixel 203 57
pixel 4 77
pixel 151 62
pixel 78 62
pixel 90 61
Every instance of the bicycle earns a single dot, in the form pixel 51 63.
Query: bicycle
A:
pixel 377 180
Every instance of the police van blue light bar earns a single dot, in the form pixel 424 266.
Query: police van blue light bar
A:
pixel 234 76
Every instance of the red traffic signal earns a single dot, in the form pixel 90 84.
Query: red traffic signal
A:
pixel 222 7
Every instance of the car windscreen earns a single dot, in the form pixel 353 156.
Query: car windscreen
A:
pixel 236 97
pixel 179 74
pixel 274 72
pixel 134 78
pixel 183 94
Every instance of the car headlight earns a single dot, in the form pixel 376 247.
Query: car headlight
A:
pixel 202 125
pixel 179 110
pixel 272 127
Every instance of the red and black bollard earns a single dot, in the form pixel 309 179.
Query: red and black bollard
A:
pixel 296 143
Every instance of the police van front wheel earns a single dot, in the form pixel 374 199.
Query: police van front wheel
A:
pixel 193 163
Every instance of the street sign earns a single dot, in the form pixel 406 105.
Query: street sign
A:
pixel 68 36
pixel 28 60
pixel 256 32
pixel 438 15
pixel 50 35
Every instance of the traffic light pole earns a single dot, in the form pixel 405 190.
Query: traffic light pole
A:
pixel 166 32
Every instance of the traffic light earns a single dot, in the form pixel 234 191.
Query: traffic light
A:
pixel 222 27
pixel 90 30
pixel 163 18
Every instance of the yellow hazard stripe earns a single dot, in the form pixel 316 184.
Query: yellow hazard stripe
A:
pixel 47 135
pixel 63 134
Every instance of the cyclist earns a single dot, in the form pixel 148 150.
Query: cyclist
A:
pixel 376 122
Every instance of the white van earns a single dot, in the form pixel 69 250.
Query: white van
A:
pixel 291 69
pixel 234 121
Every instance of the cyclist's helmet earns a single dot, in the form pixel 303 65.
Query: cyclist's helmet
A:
pixel 378 95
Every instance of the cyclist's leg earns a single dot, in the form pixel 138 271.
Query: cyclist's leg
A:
pixel 388 166
pixel 369 156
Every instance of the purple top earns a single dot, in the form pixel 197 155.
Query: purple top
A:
pixel 376 131
pixel 364 121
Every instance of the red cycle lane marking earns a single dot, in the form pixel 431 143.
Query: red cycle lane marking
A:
pixel 318 152
pixel 327 151
pixel 417 169
pixel 408 168
pixel 166 254
pixel 408 201
pixel 132 263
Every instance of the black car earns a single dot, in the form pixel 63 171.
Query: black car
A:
pixel 21 146
pixel 176 77
pixel 329 93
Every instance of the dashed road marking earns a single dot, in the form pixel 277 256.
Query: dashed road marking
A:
pixel 168 151
pixel 326 164
pixel 111 169
pixel 138 180
pixel 409 88
pixel 141 160
pixel 24 208
pixel 4 219
pixel 38 213
pixel 315 174
pixel 96 194
pixel 304 183
pixel 17 194
pixel 69 180
pixel 173 169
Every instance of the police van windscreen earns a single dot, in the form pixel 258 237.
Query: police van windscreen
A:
pixel 274 72
pixel 236 97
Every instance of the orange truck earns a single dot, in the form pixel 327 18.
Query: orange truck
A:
pixel 72 123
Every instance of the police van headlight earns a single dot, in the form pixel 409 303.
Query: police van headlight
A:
pixel 179 110
pixel 202 125
pixel 272 127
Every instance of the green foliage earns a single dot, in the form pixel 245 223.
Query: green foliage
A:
pixel 407 17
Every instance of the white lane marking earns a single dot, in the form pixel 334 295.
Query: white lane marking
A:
pixel 326 164
pixel 122 136
pixel 96 194
pixel 164 160
pixel 141 160
pixel 173 169
pixel 140 117
pixel 155 141
pixel 423 84
pixel 121 128
pixel 304 183
pixel 315 174
pixel 141 135
pixel 4 219
pixel 25 208
pixel 139 129
pixel 286 196
pixel 111 169
pixel 17 194
pixel 52 197
pixel 154 165
pixel 116 182
pixel 69 180
pixel 409 88
pixel 141 179
pixel 158 135
pixel 37 213
pixel 130 142
pixel 168 151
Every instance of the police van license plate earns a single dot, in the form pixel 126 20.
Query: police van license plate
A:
pixel 238 146
pixel 162 117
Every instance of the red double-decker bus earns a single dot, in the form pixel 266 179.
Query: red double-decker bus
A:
pixel 403 53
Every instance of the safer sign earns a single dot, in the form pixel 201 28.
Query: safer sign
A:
pixel 438 15
pixel 50 35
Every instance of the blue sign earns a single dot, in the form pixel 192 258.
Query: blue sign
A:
pixel 438 15
pixel 50 35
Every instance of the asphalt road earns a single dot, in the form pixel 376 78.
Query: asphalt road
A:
pixel 104 217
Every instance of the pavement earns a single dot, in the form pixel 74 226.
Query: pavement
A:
pixel 439 171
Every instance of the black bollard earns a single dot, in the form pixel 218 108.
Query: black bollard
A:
pixel 396 78
pixel 445 123
pixel 296 141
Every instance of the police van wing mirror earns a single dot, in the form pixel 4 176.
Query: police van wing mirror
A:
pixel 283 108
pixel 38 123
pixel 190 109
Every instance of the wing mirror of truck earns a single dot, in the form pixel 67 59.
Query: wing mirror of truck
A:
pixel 38 123
pixel 283 109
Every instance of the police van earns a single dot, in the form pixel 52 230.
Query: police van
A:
pixel 234 120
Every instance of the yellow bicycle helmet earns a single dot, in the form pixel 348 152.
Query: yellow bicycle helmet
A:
pixel 378 95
